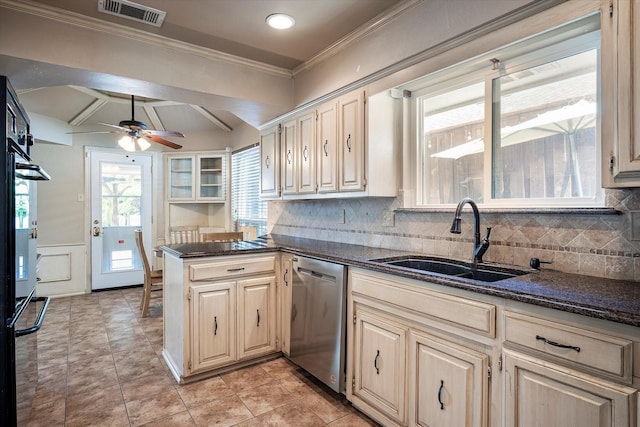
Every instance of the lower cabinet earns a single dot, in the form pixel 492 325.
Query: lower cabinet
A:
pixel 421 355
pixel 213 323
pixel 256 317
pixel 232 321
pixel 538 393
pixel 404 369
pixel 286 272
pixel 448 384
pixel 379 364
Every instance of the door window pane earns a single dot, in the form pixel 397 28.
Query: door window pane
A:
pixel 544 133
pixel 121 192
pixel 452 145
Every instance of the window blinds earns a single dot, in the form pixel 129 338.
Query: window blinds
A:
pixel 247 209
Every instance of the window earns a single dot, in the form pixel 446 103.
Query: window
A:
pixel 246 207
pixel 515 127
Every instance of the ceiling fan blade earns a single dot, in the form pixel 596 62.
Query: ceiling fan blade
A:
pixel 164 133
pixel 93 131
pixel 162 141
pixel 115 126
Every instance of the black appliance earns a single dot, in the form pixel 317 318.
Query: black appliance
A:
pixel 21 312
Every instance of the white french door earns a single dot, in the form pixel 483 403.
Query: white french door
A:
pixel 120 203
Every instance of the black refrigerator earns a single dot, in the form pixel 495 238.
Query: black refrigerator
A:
pixel 21 311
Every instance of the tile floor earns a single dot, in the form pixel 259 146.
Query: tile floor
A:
pixel 100 364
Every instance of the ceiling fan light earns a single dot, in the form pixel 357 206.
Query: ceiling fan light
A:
pixel 280 21
pixel 127 143
pixel 143 144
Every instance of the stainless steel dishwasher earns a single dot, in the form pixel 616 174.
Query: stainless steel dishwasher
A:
pixel 318 311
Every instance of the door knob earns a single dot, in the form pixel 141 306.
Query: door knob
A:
pixel 96 231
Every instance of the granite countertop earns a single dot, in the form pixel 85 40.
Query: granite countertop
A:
pixel 613 300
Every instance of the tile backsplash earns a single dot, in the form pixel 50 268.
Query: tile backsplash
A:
pixel 591 244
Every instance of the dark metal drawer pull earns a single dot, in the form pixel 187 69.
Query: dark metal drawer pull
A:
pixel 258 324
pixel 215 325
pixel 230 270
pixel 375 362
pixel 555 344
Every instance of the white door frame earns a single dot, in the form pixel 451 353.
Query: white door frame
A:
pixel 149 237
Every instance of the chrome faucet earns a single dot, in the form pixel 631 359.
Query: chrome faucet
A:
pixel 479 248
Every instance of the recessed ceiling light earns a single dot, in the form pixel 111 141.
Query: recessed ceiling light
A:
pixel 280 21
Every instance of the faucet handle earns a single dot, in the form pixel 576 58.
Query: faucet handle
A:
pixel 488 233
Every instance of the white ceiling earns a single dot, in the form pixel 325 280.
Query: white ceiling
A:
pixel 235 27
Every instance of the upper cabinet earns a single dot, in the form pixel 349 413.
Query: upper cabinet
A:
pixel 196 177
pixel 269 163
pixel 620 94
pixel 196 195
pixel 334 150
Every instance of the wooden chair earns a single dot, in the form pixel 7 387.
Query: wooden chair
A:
pixel 152 278
pixel 232 236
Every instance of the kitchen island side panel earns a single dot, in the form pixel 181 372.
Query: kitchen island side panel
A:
pixel 174 312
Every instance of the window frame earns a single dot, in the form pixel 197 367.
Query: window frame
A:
pixel 551 45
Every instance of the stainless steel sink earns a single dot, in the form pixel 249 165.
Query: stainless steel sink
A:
pixel 460 269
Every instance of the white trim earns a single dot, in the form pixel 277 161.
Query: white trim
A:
pixel 87 22
pixel 345 42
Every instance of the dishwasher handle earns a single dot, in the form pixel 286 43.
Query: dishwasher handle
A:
pixel 315 274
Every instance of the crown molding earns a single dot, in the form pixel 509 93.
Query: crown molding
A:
pixel 78 20
pixel 373 25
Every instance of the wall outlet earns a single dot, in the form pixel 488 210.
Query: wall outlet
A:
pixel 388 219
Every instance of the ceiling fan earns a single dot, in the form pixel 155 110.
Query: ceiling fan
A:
pixel 137 133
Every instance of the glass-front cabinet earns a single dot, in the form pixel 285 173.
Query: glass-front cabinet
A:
pixel 197 186
pixel 197 177
pixel 210 180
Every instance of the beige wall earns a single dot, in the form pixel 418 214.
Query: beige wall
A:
pixel 61 216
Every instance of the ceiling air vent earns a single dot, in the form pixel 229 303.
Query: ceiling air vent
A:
pixel 130 10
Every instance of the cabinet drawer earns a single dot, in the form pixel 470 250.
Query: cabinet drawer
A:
pixel 594 351
pixel 476 316
pixel 231 268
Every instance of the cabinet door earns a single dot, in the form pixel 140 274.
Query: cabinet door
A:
pixel 326 160
pixel 447 384
pixel 256 316
pixel 379 366
pixel 538 394
pixel 182 178
pixel 621 95
pixel 351 142
pixel 289 158
pixel 211 177
pixel 286 270
pixel 269 176
pixel 307 153
pixel 213 326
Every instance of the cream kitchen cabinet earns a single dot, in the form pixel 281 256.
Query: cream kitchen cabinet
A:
pixel 448 383
pixel 219 312
pixel 213 325
pixel 412 362
pixel 379 370
pixel 298 160
pixel 269 162
pixel 558 373
pixel 620 26
pixel 327 152
pixel 539 393
pixel 256 317
pixel 197 185
pixel 351 115
pixel 346 147
pixel 196 177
